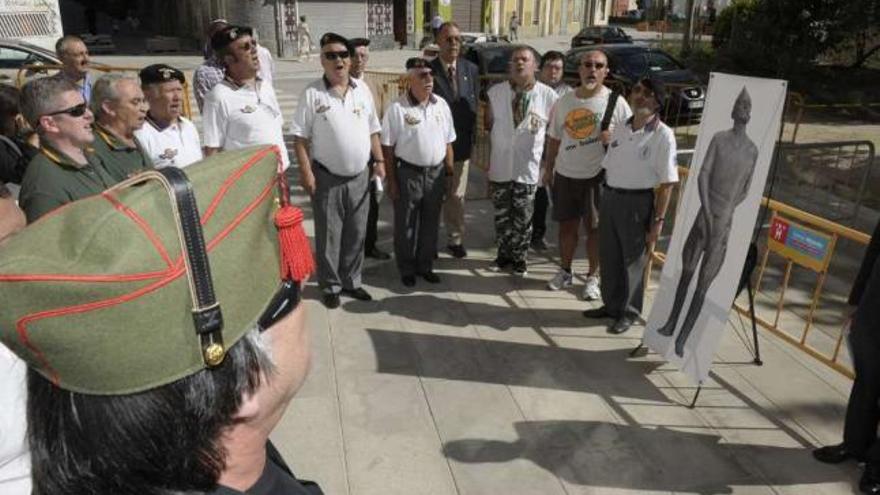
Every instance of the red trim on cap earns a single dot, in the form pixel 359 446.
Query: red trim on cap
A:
pixel 241 216
pixel 227 184
pixel 139 221
pixel 52 277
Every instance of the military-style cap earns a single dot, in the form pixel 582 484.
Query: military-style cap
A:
pixel 152 280
pixel 328 38
pixel 224 36
pixel 418 64
pixel 657 87
pixel 159 73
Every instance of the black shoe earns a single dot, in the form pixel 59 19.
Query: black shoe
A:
pixel 621 325
pixel 538 244
pixel 870 480
pixel 360 294
pixel 500 264
pixel 430 277
pixel 667 330
pixel 520 269
pixel 457 250
pixel 377 253
pixel 408 280
pixel 331 301
pixel 833 454
pixel 599 312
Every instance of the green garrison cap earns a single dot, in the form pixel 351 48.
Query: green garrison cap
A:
pixel 98 295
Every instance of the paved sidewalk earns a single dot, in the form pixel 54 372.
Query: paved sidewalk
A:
pixel 488 384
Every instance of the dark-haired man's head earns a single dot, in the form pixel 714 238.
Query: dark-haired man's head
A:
pixel 360 57
pixel 56 110
pixel 74 56
pixel 236 47
pixel 336 58
pixel 552 65
pixel 449 41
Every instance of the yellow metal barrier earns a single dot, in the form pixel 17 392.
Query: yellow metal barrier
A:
pixel 23 72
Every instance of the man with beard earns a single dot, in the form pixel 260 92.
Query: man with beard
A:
pixel 517 117
pixel 723 183
pixel 457 80
pixel 337 131
pixel 641 157
pixel 120 109
pixel 574 166
pixel 74 57
pixel 417 137
pixel 241 110
pixel 169 139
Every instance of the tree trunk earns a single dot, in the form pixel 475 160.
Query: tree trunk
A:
pixel 687 39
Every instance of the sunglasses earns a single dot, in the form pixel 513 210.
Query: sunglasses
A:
pixel 283 302
pixel 593 65
pixel 74 111
pixel 336 55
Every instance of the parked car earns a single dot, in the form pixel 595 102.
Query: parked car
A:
pixel 15 54
pixel 492 60
pixel 629 63
pixel 598 35
pixel 473 38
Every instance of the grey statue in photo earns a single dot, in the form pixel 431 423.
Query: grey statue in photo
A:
pixel 723 183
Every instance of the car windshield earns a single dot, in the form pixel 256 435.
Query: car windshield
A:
pixel 466 38
pixel 639 63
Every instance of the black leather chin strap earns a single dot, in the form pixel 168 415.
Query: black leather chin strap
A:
pixel 207 316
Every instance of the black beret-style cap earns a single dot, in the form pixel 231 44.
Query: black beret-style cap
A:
pixel 159 73
pixel 222 38
pixel 336 38
pixel 417 63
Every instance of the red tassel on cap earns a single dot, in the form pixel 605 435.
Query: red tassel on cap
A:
pixel 297 262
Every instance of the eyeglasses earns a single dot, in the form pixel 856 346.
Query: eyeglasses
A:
pixel 283 302
pixel 593 65
pixel 74 111
pixel 336 55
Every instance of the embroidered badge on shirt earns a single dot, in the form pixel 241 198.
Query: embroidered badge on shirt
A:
pixel 358 110
pixel 322 109
pixel 248 109
pixel 169 154
pixel 535 123
pixel 645 152
pixel 411 120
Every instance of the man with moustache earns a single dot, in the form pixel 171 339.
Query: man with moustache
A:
pixel 457 80
pixel 337 131
pixel 120 109
pixel 359 59
pixel 169 139
pixel 641 158
pixel 574 166
pixel 65 169
pixel 417 137
pixel 551 75
pixel 74 56
pixel 241 110
pixel 724 180
pixel 518 114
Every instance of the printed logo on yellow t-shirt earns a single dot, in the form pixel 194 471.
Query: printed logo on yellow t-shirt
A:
pixel 580 123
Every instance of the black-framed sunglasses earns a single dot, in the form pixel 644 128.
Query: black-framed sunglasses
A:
pixel 286 298
pixel 336 55
pixel 593 65
pixel 74 111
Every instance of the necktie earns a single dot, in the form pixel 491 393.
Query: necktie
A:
pixel 453 81
pixel 520 103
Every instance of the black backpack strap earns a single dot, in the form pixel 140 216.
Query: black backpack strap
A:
pixel 609 110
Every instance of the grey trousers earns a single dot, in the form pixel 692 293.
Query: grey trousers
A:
pixel 417 217
pixel 340 205
pixel 624 220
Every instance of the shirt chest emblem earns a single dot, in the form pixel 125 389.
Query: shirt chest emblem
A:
pixel 322 109
pixel 535 122
pixel 168 154
pixel 411 120
pixel 249 109
pixel 645 152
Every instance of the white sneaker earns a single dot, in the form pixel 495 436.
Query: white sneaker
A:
pixel 591 289
pixel 561 280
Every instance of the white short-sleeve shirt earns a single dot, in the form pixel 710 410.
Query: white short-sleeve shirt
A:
pixel 516 151
pixel 418 132
pixel 174 145
pixel 236 117
pixel 338 127
pixel 577 124
pixel 641 159
pixel 15 461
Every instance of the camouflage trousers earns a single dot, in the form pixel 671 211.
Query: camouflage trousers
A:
pixel 514 203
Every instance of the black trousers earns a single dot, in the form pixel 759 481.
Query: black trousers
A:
pixel 539 216
pixel 372 216
pixel 862 410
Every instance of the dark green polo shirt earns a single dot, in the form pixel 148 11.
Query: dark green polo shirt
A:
pixel 120 159
pixel 53 179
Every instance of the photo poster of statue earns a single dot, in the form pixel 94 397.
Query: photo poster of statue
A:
pixel 715 220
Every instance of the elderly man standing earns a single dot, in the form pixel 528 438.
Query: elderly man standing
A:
pixel 241 110
pixel 574 166
pixel 74 57
pixel 65 169
pixel 641 158
pixel 169 138
pixel 518 114
pixel 359 59
pixel 337 129
pixel 173 384
pixel 457 80
pixel 417 137
pixel 120 109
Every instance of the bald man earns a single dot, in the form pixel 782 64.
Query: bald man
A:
pixel 723 182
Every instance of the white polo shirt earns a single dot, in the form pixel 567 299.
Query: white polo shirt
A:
pixel 236 117
pixel 174 145
pixel 338 127
pixel 641 159
pixel 516 152
pixel 577 124
pixel 418 132
pixel 15 460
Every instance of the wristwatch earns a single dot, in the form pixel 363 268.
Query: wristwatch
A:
pixel 658 219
